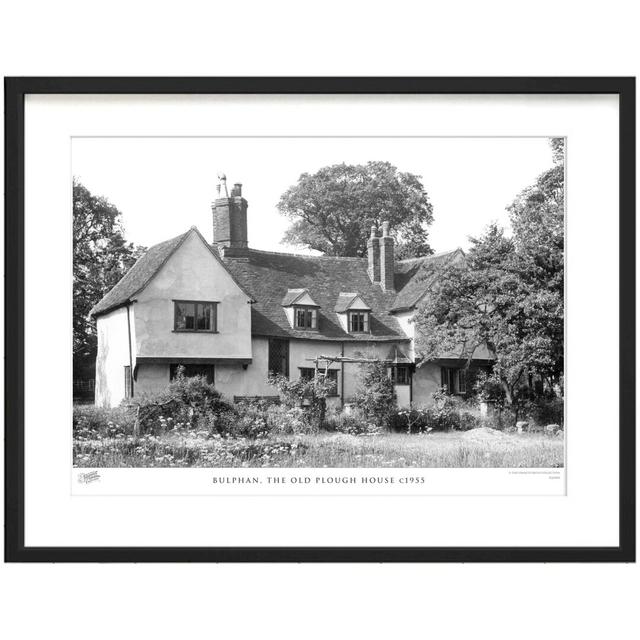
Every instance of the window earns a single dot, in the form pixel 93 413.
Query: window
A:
pixel 305 318
pixel 192 370
pixel 308 373
pixel 359 321
pixel 279 357
pixel 462 381
pixel 401 374
pixel 195 316
pixel 128 382
pixel 455 380
pixel 332 376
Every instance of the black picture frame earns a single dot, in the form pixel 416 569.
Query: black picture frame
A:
pixel 15 91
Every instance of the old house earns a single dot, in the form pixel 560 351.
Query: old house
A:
pixel 235 314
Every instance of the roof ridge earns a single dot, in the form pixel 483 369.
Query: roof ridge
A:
pixel 425 282
pixel 440 254
pixel 302 255
pixel 137 278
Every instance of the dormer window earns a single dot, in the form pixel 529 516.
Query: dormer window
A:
pixel 354 313
pixel 358 322
pixel 301 310
pixel 305 317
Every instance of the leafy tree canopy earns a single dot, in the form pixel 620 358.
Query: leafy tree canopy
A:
pixel 508 293
pixel 101 256
pixel 333 209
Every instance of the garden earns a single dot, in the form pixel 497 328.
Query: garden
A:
pixel 191 425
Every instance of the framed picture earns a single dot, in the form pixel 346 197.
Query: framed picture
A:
pixel 320 319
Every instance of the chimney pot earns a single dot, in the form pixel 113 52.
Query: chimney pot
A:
pixel 230 220
pixel 373 231
pixel 387 259
pixel 373 255
pixel 222 185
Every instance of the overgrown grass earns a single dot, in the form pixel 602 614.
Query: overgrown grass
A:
pixel 189 448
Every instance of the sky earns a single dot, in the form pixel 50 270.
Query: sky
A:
pixel 163 186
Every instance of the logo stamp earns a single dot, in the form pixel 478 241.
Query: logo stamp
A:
pixel 88 477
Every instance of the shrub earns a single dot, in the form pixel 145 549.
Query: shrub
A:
pixel 469 421
pixel 354 422
pixel 247 420
pixel 487 388
pixel 257 418
pixel 545 410
pixel 311 395
pixel 375 396
pixel 413 420
pixel 189 402
pixel 289 420
pixel 195 392
pixel 446 414
pixel 91 422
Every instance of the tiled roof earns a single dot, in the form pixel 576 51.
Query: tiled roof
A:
pixel 293 295
pixel 397 356
pixel 143 270
pixel 415 275
pixel 268 276
pixel 140 273
pixel 277 279
pixel 345 300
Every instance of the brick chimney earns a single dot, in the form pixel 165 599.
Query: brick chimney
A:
pixel 373 253
pixel 387 259
pixel 230 220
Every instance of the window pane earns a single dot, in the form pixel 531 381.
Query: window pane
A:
pixel 279 356
pixel 204 317
pixel 332 376
pixel 453 381
pixel 305 318
pixel 359 321
pixel 192 370
pixel 401 374
pixel 185 316
pixel 462 381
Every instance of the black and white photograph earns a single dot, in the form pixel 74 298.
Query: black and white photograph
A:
pixel 320 320
pixel 318 302
pixel 321 327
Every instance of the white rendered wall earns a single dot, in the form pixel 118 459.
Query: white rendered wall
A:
pixel 113 356
pixel 193 273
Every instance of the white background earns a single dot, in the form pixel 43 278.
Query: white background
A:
pixel 586 516
pixel 129 170
pixel 462 38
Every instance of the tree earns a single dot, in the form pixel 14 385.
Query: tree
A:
pixel 508 293
pixel 476 302
pixel 334 209
pixel 375 395
pixel 537 219
pixel 101 256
